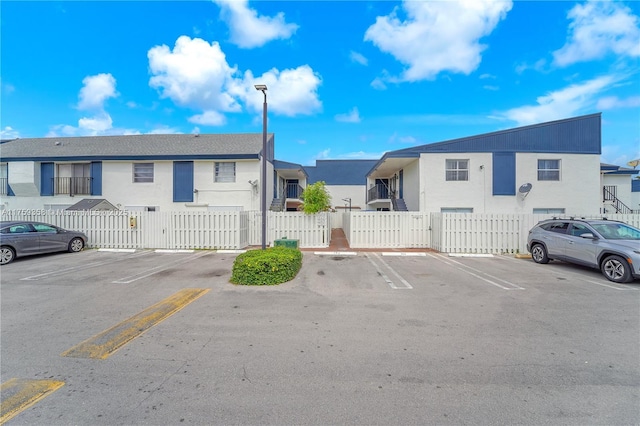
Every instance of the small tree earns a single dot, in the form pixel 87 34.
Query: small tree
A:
pixel 315 198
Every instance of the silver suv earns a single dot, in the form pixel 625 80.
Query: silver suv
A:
pixel 611 246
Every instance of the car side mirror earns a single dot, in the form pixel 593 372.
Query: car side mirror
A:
pixel 589 236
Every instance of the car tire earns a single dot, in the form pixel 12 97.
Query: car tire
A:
pixel 7 254
pixel 616 269
pixel 76 245
pixel 539 253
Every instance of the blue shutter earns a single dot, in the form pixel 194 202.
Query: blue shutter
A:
pixel 183 181
pixel 96 177
pixel 46 179
pixel 504 173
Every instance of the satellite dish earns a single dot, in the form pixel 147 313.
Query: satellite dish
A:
pixel 634 163
pixel 524 189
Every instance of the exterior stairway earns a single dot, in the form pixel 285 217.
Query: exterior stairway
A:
pixel 399 205
pixel 277 205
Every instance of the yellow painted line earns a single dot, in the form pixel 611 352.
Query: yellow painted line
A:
pixel 19 394
pixel 104 344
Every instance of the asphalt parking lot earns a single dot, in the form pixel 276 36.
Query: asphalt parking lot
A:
pixel 370 338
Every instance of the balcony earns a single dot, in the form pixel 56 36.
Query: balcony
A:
pixel 293 190
pixel 378 192
pixel 72 186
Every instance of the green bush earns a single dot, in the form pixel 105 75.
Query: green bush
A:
pixel 272 266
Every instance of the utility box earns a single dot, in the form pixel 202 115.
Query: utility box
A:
pixel 284 242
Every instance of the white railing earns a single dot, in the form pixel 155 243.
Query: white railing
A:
pixel 444 232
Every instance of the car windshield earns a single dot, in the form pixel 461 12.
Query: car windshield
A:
pixel 617 231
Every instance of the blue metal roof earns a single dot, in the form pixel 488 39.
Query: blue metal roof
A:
pixel 340 172
pixel 576 135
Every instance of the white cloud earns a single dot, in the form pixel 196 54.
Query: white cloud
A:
pixel 612 102
pixel 437 36
pixel 562 103
pixel 96 90
pixel 9 133
pixel 194 74
pixel 208 118
pixel 378 83
pixel 598 28
pixel 353 116
pixel 248 29
pixel 489 87
pixel 290 92
pixel 485 76
pixel 95 125
pixel 358 58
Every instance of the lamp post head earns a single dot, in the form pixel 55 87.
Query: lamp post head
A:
pixel 261 87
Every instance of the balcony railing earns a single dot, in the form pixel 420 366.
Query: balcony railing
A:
pixel 293 190
pixel 378 192
pixel 72 185
pixel 4 186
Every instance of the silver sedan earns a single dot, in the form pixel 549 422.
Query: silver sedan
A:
pixel 24 238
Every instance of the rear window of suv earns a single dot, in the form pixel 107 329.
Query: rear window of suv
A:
pixel 559 227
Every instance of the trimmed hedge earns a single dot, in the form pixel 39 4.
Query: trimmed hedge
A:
pixel 271 266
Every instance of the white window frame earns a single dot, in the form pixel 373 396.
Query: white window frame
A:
pixel 224 172
pixel 551 210
pixel 143 172
pixel 546 171
pixel 456 170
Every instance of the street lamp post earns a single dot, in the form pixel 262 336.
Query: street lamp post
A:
pixel 263 184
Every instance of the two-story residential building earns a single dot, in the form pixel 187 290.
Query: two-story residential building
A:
pixel 174 172
pixel 547 168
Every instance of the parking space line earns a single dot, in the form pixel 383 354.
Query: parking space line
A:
pixel 604 283
pixel 157 269
pixel 468 269
pixel 104 344
pixel 391 284
pixel 16 395
pixel 82 267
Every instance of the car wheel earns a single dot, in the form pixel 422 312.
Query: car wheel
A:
pixel 616 269
pixel 6 255
pixel 539 254
pixel 76 245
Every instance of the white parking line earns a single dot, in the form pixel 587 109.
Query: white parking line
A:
pixel 391 284
pixel 403 254
pixel 152 271
pixel 335 253
pixel 468 269
pixel 82 267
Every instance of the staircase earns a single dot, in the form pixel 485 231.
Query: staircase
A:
pixel 399 205
pixel 277 205
pixel 609 194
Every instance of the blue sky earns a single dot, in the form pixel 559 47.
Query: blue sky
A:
pixel 346 79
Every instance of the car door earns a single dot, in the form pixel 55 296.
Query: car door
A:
pixel 555 238
pixel 50 239
pixel 580 249
pixel 22 237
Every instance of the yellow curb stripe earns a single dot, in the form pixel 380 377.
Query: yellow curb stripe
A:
pixel 104 344
pixel 19 394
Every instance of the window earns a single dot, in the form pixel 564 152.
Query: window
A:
pixel 41 227
pixel 225 172
pixel 548 211
pixel 457 170
pixel 142 172
pixel 559 227
pixel 456 210
pixel 548 169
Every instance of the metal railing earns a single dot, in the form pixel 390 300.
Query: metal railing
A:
pixel 72 185
pixel 378 192
pixel 609 194
pixel 293 190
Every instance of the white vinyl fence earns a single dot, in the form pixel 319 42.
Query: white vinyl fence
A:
pixel 444 232
pixel 184 230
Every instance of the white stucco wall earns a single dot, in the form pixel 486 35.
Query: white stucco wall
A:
pixel 411 188
pixel 577 191
pixel 24 178
pixel 623 191
pixel 340 192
